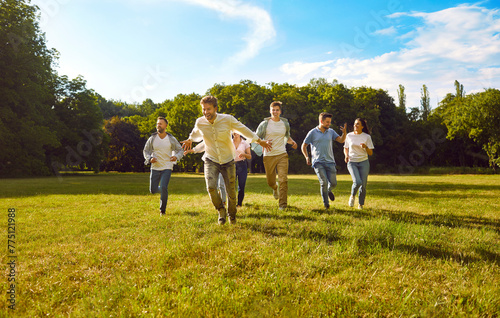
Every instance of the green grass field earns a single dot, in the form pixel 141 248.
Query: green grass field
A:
pixel 96 246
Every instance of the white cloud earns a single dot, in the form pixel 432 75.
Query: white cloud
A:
pixel 259 21
pixel 460 43
pixel 387 31
pixel 300 70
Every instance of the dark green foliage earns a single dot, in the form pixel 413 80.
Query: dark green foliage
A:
pixel 26 84
pixel 125 147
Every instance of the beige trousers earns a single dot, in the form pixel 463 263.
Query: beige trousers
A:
pixel 278 164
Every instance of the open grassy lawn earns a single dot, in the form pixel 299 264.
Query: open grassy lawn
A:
pixel 96 246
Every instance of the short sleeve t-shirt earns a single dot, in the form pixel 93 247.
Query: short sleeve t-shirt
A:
pixel 353 142
pixel 275 132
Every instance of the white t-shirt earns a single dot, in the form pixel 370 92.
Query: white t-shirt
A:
pixel 162 152
pixel 275 132
pixel 353 142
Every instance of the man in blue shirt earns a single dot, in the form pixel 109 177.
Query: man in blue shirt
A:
pixel 321 140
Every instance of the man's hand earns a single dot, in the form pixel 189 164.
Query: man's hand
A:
pixel 153 160
pixel 308 161
pixel 186 144
pixel 346 159
pixel 294 144
pixel 188 151
pixel 173 158
pixel 343 129
pixel 266 144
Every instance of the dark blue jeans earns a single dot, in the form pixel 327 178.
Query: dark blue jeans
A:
pixel 241 175
pixel 158 182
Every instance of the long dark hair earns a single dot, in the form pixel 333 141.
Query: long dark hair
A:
pixel 364 124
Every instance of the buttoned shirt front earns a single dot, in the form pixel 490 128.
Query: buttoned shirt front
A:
pixel 219 146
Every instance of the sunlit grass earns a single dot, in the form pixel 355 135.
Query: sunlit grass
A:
pixel 95 245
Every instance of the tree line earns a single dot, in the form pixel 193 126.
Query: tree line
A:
pixel 49 123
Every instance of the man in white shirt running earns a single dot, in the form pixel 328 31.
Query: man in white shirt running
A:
pixel 215 130
pixel 277 131
pixel 162 151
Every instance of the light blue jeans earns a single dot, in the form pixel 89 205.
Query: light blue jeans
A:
pixel 222 188
pixel 359 173
pixel 228 172
pixel 158 182
pixel 327 176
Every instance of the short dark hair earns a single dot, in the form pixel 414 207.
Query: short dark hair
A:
pixel 162 118
pixel 276 103
pixel 209 100
pixel 324 115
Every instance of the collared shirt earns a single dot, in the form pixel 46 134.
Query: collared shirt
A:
pixel 321 144
pixel 219 146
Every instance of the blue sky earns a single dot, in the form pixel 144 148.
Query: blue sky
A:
pixel 131 50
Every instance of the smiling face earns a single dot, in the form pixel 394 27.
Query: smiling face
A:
pixel 275 111
pixel 325 123
pixel 358 127
pixel 209 111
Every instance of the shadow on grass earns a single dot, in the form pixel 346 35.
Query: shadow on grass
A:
pixel 446 220
pixel 438 190
pixel 380 238
pixel 265 224
pixel 434 252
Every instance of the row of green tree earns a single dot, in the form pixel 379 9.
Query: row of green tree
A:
pixel 404 140
pixel 49 123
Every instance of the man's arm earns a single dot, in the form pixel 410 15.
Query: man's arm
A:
pixel 304 152
pixel 195 135
pixel 178 151
pixel 292 142
pixel 243 130
pixel 341 139
pixel 147 151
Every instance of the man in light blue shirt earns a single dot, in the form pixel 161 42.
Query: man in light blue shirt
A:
pixel 321 140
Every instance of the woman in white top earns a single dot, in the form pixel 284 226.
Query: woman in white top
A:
pixel 357 147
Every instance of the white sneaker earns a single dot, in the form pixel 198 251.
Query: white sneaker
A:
pixel 351 201
pixel 360 207
pixel 275 192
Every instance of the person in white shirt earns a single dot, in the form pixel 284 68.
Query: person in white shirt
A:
pixel 162 151
pixel 215 130
pixel 277 130
pixel 357 147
